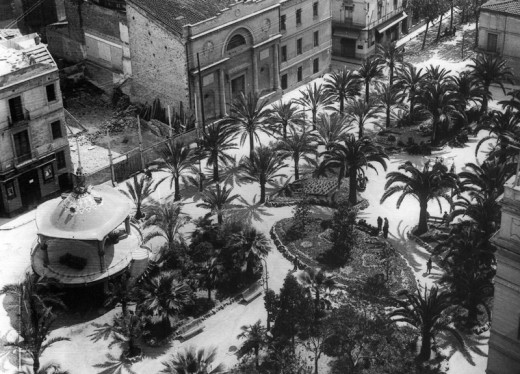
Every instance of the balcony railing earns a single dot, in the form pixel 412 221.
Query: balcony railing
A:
pixel 347 22
pixel 33 155
pixel 19 121
pixel 385 18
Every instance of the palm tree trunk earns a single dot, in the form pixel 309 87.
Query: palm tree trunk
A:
pixel 251 145
pixel 387 116
pixel 360 129
pixel 391 78
pixel 411 97
pixel 219 218
pixel 262 193
pixel 425 33
pixel 484 107
pixel 316 358
pixel 314 118
pixel 177 189
pixel 439 29
pixel 257 361
pixel 284 127
pixel 209 293
pixel 367 91
pixel 296 170
pixel 435 135
pixel 341 104
pixel 352 193
pixel 124 307
pixel 423 218
pixel 36 362
pixel 215 171
pixel 426 346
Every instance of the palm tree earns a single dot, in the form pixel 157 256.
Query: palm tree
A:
pixel 316 281
pixel 428 313
pixel 249 115
pixel 505 128
pixel 342 85
pixel 255 336
pixel 369 71
pixel 162 297
pixel 487 179
pixel 166 218
pixel 139 191
pixel 331 129
pixel 215 141
pixel 217 200
pixel 484 211
pixel 298 146
pixel 352 157
pixel 410 80
pixel 388 54
pixel 211 273
pixel 441 106
pixel 264 167
pixel 315 98
pixel 361 112
pixel 118 292
pixel 390 97
pixel 430 183
pixel 490 69
pixel 437 74
pixel 513 103
pixel 252 243
pixel 285 115
pixel 192 361
pixel 470 89
pixel 177 159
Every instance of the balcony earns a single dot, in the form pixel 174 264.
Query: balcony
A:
pixel 32 156
pixel 19 121
pixel 385 18
pixel 347 23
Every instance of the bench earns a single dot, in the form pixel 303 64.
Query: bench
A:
pixel 252 292
pixel 190 329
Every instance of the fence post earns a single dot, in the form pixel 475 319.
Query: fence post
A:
pixel 112 174
pixel 140 143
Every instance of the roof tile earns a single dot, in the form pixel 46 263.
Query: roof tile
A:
pixel 508 6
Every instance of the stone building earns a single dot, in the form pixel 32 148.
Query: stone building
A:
pixel 357 25
pixel 39 13
pixel 96 32
pixel 498 28
pixel 504 342
pixel 238 45
pixel 35 158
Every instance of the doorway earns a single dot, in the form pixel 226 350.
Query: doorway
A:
pixel 29 188
pixel 238 85
pixel 348 47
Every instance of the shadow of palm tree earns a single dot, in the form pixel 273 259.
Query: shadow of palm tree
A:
pixel 473 345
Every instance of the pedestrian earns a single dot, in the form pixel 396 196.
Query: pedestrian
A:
pixel 452 169
pixel 446 218
pixel 385 228
pixel 379 224
pixel 429 265
pixel 295 264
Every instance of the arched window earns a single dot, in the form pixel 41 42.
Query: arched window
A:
pixel 236 41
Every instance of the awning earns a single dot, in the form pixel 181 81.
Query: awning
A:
pixel 346 34
pixel 385 26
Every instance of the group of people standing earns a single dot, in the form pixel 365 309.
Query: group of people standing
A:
pixel 384 226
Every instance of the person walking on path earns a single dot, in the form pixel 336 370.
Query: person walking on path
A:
pixel 429 265
pixel 379 224
pixel 385 228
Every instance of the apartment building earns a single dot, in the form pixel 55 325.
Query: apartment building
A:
pixel 34 158
pixel 358 25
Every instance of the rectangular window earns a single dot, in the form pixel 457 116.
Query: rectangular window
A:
pixel 395 4
pixel 298 17
pixel 282 22
pixel 492 42
pixel 51 92
pixel 315 9
pixel 61 162
pixel 284 81
pixel 48 173
pixel 16 109
pixel 315 65
pixel 10 190
pixel 56 130
pixel 284 53
pixel 316 38
pixel 300 74
pixel 21 146
pixel 299 46
pixel 379 9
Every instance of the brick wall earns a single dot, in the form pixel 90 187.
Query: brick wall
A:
pixel 158 62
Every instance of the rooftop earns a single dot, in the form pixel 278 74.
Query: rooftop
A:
pixel 508 6
pixel 174 14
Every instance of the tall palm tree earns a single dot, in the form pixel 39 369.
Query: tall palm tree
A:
pixel 331 129
pixel 490 69
pixel 215 141
pixel 390 97
pixel 317 281
pixel 352 157
pixel 514 101
pixel 166 219
pixel 504 127
pixel 264 167
pixel 360 112
pixel 342 85
pixel 162 297
pixel 285 115
pixel 119 292
pixel 211 273
pixel 315 98
pixel 437 74
pixel 140 190
pixel 249 114
pixel 442 106
pixel 428 313
pixel 470 89
pixel 217 200
pixel 430 183
pixel 484 211
pixel 370 71
pixel 390 55
pixel 255 336
pixel 177 160
pixel 487 179
pixel 410 80
pixel 298 146
pixel 192 361
pixel 252 243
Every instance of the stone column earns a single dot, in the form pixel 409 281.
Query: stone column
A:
pixel 255 72
pixel 276 70
pixel 222 92
pixel 101 253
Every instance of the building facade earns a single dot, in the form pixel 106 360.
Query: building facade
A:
pixel 238 47
pixel 35 157
pixel 504 342
pixel 499 31
pixel 358 25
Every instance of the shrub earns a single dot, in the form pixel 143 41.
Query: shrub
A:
pixel 343 235
pixel 302 217
pixel 391 138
